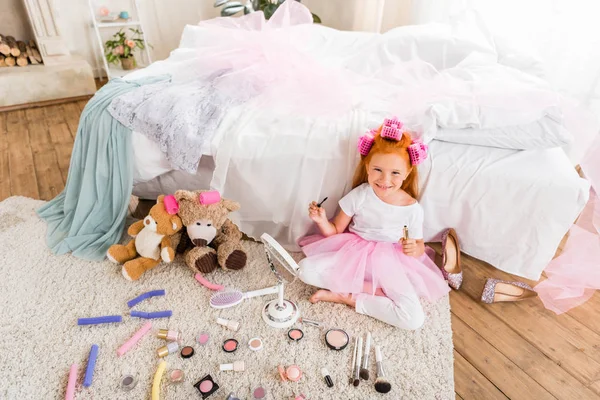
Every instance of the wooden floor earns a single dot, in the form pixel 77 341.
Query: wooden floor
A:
pixel 514 350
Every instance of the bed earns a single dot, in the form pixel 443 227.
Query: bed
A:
pixel 496 171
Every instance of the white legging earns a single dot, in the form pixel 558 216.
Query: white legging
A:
pixel 405 312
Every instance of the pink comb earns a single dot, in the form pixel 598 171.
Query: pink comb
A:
pixel 171 204
pixel 365 142
pixel 211 197
pixel 392 129
pixel 417 152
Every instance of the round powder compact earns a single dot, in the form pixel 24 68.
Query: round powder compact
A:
pixel 128 382
pixel 206 386
pixel 255 344
pixel 295 334
pixel 336 339
pixel 293 373
pixel 176 376
pixel 259 393
pixel 187 352
pixel 203 338
pixel 230 345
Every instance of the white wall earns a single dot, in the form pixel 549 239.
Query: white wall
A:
pixel 14 20
pixel 165 19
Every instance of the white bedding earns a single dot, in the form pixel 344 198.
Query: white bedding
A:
pixel 510 208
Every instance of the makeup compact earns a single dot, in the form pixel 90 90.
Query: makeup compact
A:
pixel 176 376
pixel 128 382
pixel 336 339
pixel 230 345
pixel 259 393
pixel 206 386
pixel 232 396
pixel 237 366
pixel 295 334
pixel 187 352
pixel 291 373
pixel 203 338
pixel 255 344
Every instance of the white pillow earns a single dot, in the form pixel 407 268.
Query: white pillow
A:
pixel 545 133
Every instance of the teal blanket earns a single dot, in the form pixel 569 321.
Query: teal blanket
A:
pixel 88 216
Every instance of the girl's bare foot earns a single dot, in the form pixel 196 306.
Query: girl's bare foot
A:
pixel 328 296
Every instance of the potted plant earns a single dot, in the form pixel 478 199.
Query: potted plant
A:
pixel 120 48
pixel 268 7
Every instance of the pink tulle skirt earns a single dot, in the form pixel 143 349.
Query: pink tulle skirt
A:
pixel 349 264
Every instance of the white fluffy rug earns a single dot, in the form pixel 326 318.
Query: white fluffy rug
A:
pixel 43 295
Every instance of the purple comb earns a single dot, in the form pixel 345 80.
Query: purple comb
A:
pixel 231 298
pixel 226 299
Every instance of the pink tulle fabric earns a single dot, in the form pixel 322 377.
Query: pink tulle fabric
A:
pixel 263 60
pixel 575 274
pixel 349 262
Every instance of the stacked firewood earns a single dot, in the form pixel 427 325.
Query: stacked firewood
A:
pixel 16 52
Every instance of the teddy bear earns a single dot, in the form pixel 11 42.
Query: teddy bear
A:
pixel 151 243
pixel 210 239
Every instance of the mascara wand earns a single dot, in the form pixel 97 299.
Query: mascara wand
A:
pixel 322 201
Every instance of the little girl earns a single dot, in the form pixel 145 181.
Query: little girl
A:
pixel 374 268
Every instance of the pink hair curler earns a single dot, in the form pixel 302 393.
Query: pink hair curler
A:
pixel 365 142
pixel 171 204
pixel 211 197
pixel 392 129
pixel 134 339
pixel 417 152
pixel 204 282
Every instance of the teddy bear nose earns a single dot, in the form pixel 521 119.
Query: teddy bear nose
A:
pixel 147 221
pixel 200 242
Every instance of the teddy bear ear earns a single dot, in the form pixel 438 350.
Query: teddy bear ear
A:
pixel 230 204
pixel 160 199
pixel 185 195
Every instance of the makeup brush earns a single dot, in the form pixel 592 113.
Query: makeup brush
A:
pixel 364 371
pixel 381 384
pixel 358 360
pixel 353 360
pixel 322 201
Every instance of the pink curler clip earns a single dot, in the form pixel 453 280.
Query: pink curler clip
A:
pixel 211 197
pixel 417 152
pixel 365 142
pixel 171 204
pixel 392 129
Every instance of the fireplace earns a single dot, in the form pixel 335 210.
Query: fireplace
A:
pixel 57 74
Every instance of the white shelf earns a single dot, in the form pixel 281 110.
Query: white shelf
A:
pixel 135 20
pixel 117 24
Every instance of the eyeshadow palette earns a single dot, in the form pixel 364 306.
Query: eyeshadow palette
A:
pixel 206 386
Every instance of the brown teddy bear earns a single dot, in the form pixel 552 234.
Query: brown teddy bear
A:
pixel 212 239
pixel 151 243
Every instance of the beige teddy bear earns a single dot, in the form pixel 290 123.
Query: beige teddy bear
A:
pixel 212 239
pixel 151 243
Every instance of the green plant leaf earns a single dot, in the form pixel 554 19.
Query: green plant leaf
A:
pixel 269 10
pixel 232 8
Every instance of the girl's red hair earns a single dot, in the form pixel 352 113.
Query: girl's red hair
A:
pixel 387 146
